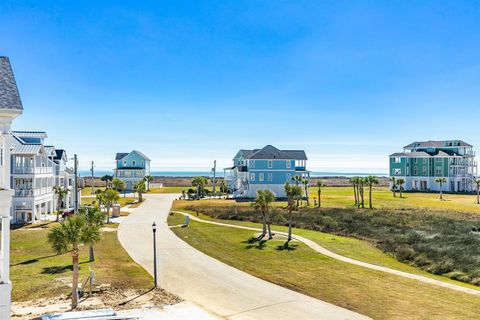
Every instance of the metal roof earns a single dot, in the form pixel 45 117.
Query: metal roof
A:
pixel 31 134
pixel 9 96
pixel 21 148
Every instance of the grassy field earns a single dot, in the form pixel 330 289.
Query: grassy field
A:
pixel 87 191
pixel 36 271
pixel 377 294
pixel 123 201
pixel 175 189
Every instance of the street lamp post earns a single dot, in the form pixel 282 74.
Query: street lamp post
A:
pixel 154 229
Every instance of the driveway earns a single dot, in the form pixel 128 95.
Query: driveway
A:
pixel 217 287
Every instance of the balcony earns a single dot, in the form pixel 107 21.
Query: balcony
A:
pixel 23 193
pixel 300 168
pixel 32 170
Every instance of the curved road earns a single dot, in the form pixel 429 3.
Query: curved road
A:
pixel 221 289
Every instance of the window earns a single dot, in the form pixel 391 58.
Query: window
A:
pixel 288 164
pixel 252 176
pixel 1 157
pixel 124 162
pixel 424 170
pixel 396 160
pixel 133 162
pixel 397 171
pixel 270 164
pixel 289 177
pixel 252 163
pixel 261 176
pixel 269 176
pixel 439 170
pixel 415 170
pixel 415 160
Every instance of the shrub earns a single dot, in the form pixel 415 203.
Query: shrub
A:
pixel 458 275
pixel 405 253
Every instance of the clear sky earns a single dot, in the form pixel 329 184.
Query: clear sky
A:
pixel 187 82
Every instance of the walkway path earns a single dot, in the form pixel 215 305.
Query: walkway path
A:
pixel 333 255
pixel 217 287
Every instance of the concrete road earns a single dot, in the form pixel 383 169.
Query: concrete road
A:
pixel 220 289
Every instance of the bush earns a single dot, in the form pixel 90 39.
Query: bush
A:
pixel 458 275
pixel 441 268
pixel 405 253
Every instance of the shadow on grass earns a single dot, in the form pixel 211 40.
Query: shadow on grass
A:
pixel 136 297
pixel 256 243
pixel 57 269
pixel 286 247
pixel 26 262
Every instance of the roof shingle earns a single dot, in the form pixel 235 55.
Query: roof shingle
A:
pixel 9 96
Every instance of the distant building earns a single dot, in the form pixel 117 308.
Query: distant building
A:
pixel 10 108
pixel 131 167
pixel 266 168
pixel 421 163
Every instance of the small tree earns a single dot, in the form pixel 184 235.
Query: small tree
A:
pixel 353 181
pixel 441 181
pixel 139 188
pixel 107 179
pixel 68 236
pixel 305 183
pixel 94 218
pixel 361 191
pixel 477 183
pixel 199 183
pixel 61 193
pixel 111 196
pixel 400 183
pixel 148 179
pixel 370 181
pixel 320 185
pixel 293 193
pixel 119 185
pixel 394 182
pixel 262 203
pixel 297 180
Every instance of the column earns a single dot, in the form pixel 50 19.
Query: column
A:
pixel 5 284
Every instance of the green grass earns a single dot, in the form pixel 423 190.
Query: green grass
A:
pixel 123 201
pixel 374 293
pixel 174 189
pixel 87 191
pixel 37 272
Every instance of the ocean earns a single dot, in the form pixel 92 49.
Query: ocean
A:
pixel 99 173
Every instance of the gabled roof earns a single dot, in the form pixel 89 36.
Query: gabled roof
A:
pixel 50 150
pixel 270 152
pixel 20 147
pixel 437 144
pixel 426 154
pixel 9 96
pixel 122 155
pixel 59 154
pixel 296 154
pixel 31 134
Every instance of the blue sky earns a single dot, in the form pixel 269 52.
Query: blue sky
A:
pixel 187 82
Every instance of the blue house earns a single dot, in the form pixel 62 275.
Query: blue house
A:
pixel 266 168
pixel 131 167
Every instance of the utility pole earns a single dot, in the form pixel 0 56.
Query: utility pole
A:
pixel 93 178
pixel 214 170
pixel 75 181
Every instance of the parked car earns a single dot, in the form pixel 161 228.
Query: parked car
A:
pixel 68 212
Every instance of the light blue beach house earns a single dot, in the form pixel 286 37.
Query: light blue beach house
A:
pixel 266 168
pixel 131 167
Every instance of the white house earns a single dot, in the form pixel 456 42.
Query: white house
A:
pixel 10 108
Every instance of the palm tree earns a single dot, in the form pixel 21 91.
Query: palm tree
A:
pixel 139 188
pixel 297 180
pixel 262 203
pixel 400 183
pixel 107 178
pixel 111 196
pixel 293 193
pixel 353 181
pixel 119 185
pixel 68 236
pixel 361 191
pixel 305 183
pixel 61 193
pixel 320 184
pixel 94 218
pixel 441 181
pixel 394 182
pixel 148 179
pixel 199 183
pixel 477 182
pixel 370 181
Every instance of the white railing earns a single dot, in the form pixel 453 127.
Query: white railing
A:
pixel 31 170
pixel 23 193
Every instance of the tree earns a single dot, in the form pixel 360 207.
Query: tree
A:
pixel 441 181
pixel 111 196
pixel 394 182
pixel 297 180
pixel 477 183
pixel 361 192
pixel 370 181
pixel 119 185
pixel 69 235
pixel 262 203
pixel 107 179
pixel 223 187
pixel 94 218
pixel 320 185
pixel 139 188
pixel 148 179
pixel 61 193
pixel 353 181
pixel 400 183
pixel 199 183
pixel 305 183
pixel 293 193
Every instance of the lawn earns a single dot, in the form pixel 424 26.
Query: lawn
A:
pixel 87 191
pixel 123 201
pixel 376 294
pixel 175 189
pixel 36 271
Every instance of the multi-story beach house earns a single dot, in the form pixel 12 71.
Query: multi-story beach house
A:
pixel 422 163
pixel 64 177
pixel 131 167
pixel 10 108
pixel 266 168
